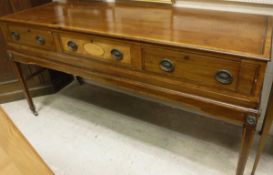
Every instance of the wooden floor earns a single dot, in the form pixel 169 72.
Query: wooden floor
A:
pixel 17 157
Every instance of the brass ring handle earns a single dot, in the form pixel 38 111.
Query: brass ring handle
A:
pixel 167 65
pixel 224 77
pixel 72 46
pixel 40 40
pixel 15 36
pixel 116 54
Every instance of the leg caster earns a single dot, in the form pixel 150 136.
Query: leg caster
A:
pixel 80 80
pixel 34 112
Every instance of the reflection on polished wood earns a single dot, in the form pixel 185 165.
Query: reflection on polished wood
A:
pixel 17 157
pixel 211 61
pixel 240 34
pixel 157 1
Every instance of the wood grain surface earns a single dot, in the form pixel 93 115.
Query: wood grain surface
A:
pixel 232 33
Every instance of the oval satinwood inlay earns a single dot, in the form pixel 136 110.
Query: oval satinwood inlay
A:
pixel 93 49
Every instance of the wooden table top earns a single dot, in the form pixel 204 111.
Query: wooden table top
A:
pixel 17 157
pixel 225 32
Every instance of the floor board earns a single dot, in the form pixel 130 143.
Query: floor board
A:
pixel 17 157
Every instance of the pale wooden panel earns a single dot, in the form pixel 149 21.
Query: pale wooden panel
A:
pixel 17 157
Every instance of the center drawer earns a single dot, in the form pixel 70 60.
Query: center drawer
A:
pixel 98 48
pixel 197 69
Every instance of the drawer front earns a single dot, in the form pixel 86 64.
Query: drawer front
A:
pixel 103 49
pixel 31 37
pixel 192 68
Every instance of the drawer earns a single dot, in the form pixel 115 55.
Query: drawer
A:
pixel 102 49
pixel 31 37
pixel 192 68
